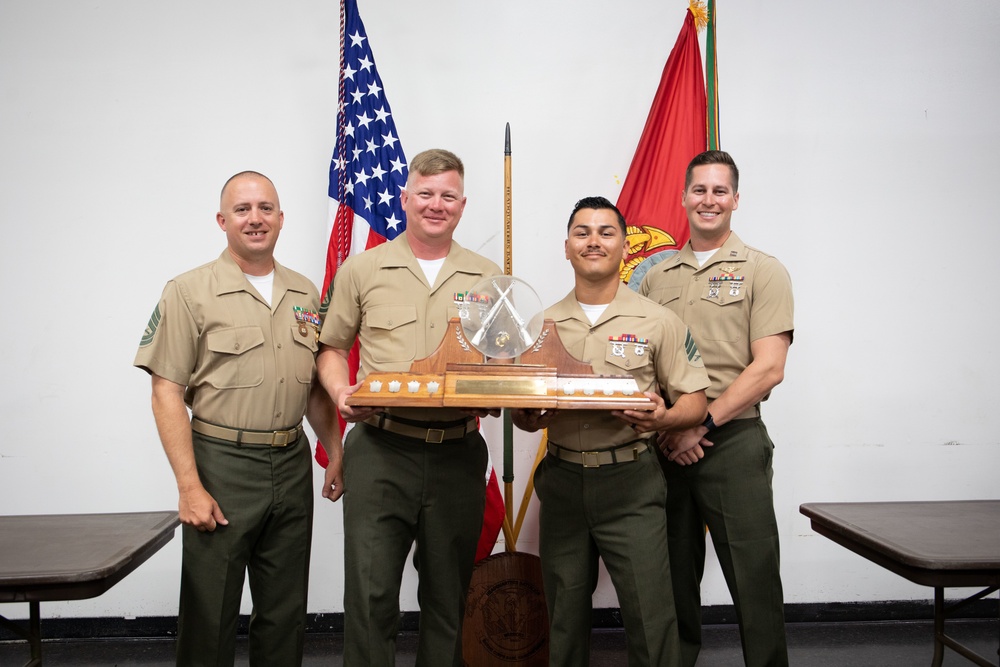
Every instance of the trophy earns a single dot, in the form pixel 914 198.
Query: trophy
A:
pixel 501 353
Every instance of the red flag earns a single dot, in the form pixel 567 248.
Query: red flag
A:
pixel 493 516
pixel 675 132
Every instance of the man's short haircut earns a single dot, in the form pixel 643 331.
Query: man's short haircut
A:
pixel 436 161
pixel 597 203
pixel 713 157
pixel 241 175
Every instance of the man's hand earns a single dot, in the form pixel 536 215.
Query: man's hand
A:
pixel 357 413
pixel 644 421
pixel 333 480
pixel 684 447
pixel 481 412
pixel 532 419
pixel 198 509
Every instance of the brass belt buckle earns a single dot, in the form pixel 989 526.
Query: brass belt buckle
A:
pixel 590 459
pixel 280 438
pixel 435 436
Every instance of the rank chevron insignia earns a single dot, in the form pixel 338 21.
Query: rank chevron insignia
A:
pixel 691 348
pixel 154 320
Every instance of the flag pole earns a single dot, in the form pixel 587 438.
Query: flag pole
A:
pixel 508 424
pixel 712 80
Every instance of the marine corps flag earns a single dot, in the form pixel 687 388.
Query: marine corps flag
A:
pixel 675 132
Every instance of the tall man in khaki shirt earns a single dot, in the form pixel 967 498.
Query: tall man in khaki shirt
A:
pixel 737 301
pixel 601 488
pixel 411 474
pixel 236 340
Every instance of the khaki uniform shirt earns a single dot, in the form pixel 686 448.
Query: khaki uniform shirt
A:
pixel 245 365
pixel 739 296
pixel 381 296
pixel 667 362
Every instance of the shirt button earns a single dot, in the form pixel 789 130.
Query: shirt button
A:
pixel 432 325
pixel 281 381
pixel 236 347
pixel 277 415
pixel 279 346
pixel 690 303
pixel 586 426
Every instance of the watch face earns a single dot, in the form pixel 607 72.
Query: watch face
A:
pixel 502 317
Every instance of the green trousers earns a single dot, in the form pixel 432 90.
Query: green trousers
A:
pixel 399 490
pixel 266 494
pixel 729 491
pixel 614 512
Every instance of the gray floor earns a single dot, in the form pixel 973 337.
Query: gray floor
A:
pixel 895 644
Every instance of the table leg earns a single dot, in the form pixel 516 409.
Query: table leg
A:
pixel 938 627
pixel 35 632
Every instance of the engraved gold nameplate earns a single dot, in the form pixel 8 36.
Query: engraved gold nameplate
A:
pixel 499 387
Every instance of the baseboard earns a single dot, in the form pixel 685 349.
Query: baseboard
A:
pixel 825 612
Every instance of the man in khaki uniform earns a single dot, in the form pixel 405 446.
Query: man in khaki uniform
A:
pixel 236 341
pixel 601 488
pixel 411 474
pixel 738 303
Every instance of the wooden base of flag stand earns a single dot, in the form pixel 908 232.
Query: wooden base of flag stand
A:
pixel 506 621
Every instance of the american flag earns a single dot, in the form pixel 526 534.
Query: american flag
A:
pixel 368 169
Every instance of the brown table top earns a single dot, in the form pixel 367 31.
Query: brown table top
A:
pixel 947 543
pixel 76 556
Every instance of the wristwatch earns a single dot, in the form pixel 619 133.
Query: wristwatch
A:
pixel 709 423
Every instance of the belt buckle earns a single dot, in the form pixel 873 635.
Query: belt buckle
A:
pixel 590 459
pixel 434 436
pixel 281 441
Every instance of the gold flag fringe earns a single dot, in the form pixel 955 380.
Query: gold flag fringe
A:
pixel 700 12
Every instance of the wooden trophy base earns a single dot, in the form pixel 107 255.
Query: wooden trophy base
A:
pixel 455 376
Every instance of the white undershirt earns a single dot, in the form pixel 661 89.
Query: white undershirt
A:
pixel 263 284
pixel 593 312
pixel 703 255
pixel 431 268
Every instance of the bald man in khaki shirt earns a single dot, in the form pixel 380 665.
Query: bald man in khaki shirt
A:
pixel 235 341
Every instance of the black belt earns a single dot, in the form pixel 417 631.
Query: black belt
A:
pixel 601 457
pixel 245 437
pixel 433 432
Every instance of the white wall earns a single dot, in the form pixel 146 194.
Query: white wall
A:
pixel 867 136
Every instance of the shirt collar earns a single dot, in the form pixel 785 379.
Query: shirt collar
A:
pixel 625 303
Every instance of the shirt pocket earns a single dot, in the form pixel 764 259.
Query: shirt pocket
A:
pixel 665 295
pixel 725 320
pixel 305 349
pixel 631 358
pixel 236 357
pixel 392 333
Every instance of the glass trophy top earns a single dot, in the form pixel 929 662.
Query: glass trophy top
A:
pixel 501 316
